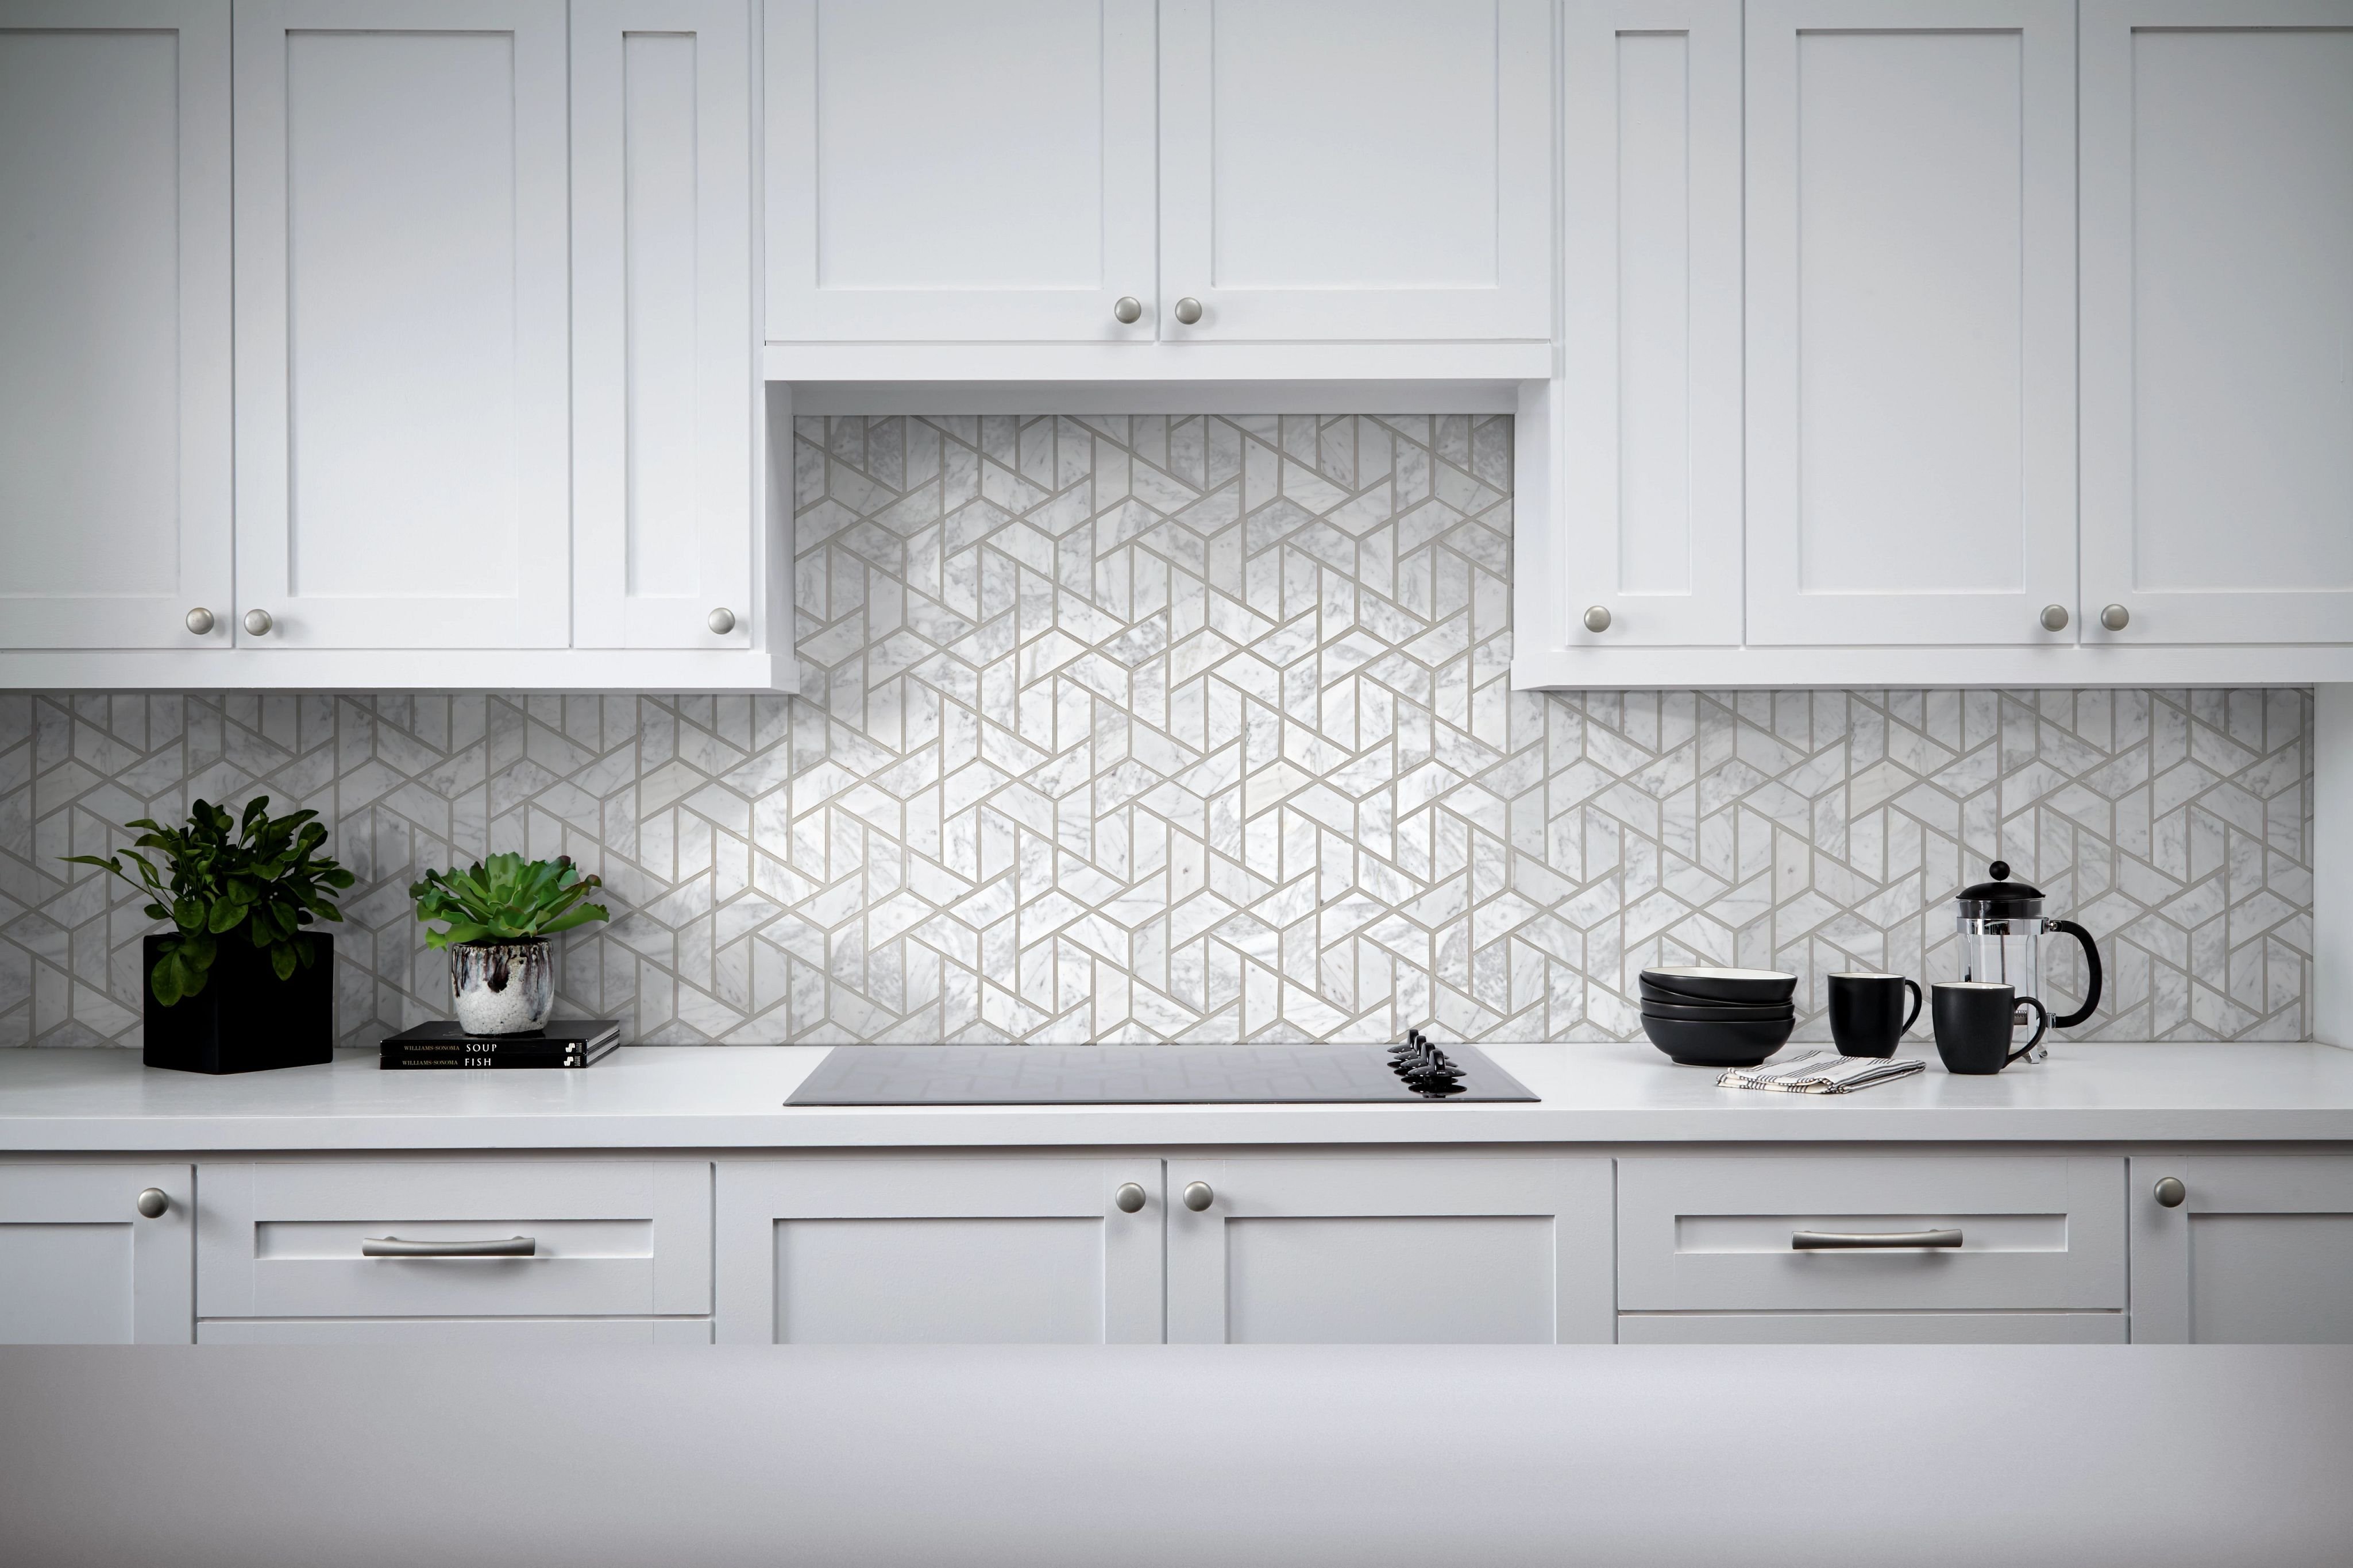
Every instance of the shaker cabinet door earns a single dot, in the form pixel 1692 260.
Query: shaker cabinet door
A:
pixel 1650 397
pixel 941 171
pixel 1346 170
pixel 81 1265
pixel 2218 319
pixel 1911 371
pixel 2257 1249
pixel 402 332
pixel 663 382
pixel 114 325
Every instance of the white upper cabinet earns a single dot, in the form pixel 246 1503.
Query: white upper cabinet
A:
pixel 663 390
pixel 944 171
pixel 114 325
pixel 1650 397
pixel 2218 319
pixel 1355 169
pixel 403 342
pixel 1911 401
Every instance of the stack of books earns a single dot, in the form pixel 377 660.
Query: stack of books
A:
pixel 565 1043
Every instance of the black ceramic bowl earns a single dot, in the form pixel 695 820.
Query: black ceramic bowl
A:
pixel 1716 1012
pixel 1697 984
pixel 1729 1044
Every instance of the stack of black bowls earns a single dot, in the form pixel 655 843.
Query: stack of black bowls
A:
pixel 1718 1017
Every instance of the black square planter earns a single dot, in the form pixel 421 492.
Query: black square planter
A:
pixel 244 1018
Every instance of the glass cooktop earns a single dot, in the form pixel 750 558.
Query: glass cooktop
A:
pixel 1414 1073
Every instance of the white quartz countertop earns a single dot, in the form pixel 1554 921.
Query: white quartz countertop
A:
pixel 677 1097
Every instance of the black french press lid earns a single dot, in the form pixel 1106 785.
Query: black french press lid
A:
pixel 2001 897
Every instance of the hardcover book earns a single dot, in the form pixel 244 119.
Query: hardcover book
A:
pixel 565 1043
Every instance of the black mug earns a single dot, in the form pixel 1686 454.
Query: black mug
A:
pixel 1974 1021
pixel 1867 1015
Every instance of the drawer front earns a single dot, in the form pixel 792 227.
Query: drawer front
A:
pixel 1706 1234
pixel 1872 1329
pixel 517 1332
pixel 285 1238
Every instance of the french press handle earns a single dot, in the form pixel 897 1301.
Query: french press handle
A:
pixel 2091 967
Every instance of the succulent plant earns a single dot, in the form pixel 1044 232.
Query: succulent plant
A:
pixel 256 875
pixel 505 899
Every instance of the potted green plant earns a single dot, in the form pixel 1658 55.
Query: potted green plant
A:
pixel 237 983
pixel 499 914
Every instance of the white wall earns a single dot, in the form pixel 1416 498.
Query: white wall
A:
pixel 2332 864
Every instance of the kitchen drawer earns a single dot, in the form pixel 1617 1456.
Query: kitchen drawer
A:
pixel 1716 1234
pixel 455 1332
pixel 1872 1329
pixel 282 1238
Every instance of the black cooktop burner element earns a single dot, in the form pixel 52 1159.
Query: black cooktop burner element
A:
pixel 1413 1073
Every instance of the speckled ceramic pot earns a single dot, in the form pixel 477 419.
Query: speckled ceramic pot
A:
pixel 503 987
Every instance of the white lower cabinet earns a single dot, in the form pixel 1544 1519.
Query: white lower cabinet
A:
pixel 991 1249
pixel 2252 1249
pixel 1389 1249
pixel 83 1262
pixel 1870 1248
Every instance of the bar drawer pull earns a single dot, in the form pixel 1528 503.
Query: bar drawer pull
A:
pixel 1853 1241
pixel 393 1246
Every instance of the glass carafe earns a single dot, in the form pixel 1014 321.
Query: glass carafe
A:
pixel 2001 926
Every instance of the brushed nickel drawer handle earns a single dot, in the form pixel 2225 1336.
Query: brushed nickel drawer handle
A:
pixel 393 1246
pixel 1851 1241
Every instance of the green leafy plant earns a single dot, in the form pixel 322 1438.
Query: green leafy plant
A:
pixel 257 875
pixel 505 899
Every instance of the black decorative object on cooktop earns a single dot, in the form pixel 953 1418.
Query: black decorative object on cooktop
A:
pixel 1416 1072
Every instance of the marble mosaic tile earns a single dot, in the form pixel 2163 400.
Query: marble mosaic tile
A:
pixel 1195 729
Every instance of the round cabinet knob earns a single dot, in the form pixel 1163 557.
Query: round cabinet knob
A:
pixel 259 623
pixel 1188 310
pixel 2054 617
pixel 153 1202
pixel 1197 1196
pixel 201 622
pixel 1128 311
pixel 723 620
pixel 2170 1192
pixel 2115 617
pixel 1597 619
pixel 1130 1197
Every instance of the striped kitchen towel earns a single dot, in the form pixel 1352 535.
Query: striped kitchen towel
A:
pixel 1821 1072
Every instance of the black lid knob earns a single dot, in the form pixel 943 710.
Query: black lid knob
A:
pixel 2000 869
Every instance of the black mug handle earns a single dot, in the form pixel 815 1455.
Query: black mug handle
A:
pixel 2091 968
pixel 1912 1017
pixel 2042 1028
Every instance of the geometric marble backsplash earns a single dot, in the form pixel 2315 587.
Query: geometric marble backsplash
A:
pixel 1194 729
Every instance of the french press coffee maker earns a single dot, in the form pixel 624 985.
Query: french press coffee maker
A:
pixel 2001 928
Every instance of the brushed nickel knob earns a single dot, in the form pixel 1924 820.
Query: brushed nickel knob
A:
pixel 1597 618
pixel 723 620
pixel 2170 1192
pixel 1197 1196
pixel 1130 1197
pixel 1188 310
pixel 153 1202
pixel 200 621
pixel 259 623
pixel 1127 309
pixel 2054 617
pixel 2115 617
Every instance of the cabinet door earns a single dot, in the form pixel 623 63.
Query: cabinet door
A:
pixel 403 342
pixel 81 1265
pixel 1398 1249
pixel 943 171
pixel 1911 321
pixel 114 323
pixel 2260 1251
pixel 663 385
pixel 997 1250
pixel 2218 319
pixel 1357 169
pixel 1651 323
